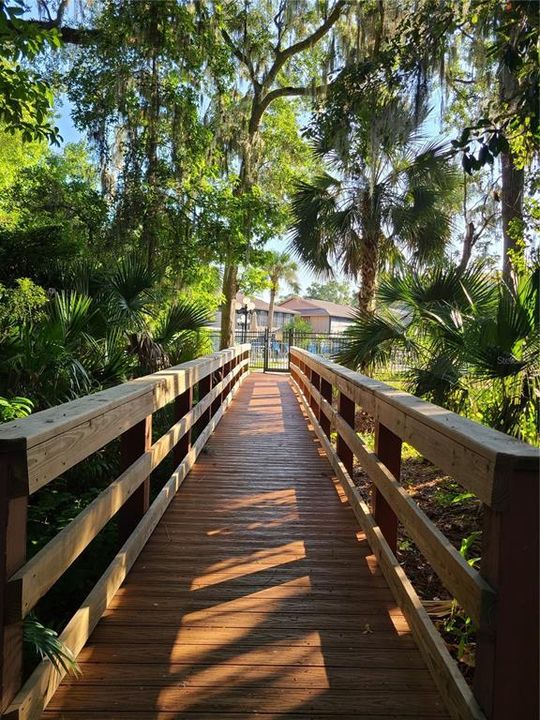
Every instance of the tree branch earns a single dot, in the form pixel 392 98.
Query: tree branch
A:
pixel 241 56
pixel 71 35
pixel 283 55
pixel 260 108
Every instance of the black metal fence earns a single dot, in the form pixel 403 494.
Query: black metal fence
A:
pixel 271 351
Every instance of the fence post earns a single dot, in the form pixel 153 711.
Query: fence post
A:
pixel 204 386
pixel 347 410
pixel 388 450
pixel 134 443
pixel 13 516
pixel 507 667
pixel 182 405
pixel 217 377
pixel 316 382
pixel 326 393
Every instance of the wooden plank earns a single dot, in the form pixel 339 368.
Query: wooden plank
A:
pixel 251 655
pixel 58 438
pixel 291 677
pixel 476 456
pixel 42 684
pixel 413 704
pixel 13 516
pixel 461 701
pixel 466 584
pixel 40 573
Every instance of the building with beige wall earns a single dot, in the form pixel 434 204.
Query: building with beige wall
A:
pixel 323 316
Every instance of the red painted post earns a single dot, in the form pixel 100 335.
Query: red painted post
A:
pixel 316 382
pixel 13 516
pixel 182 405
pixel 204 387
pixel 133 443
pixel 347 410
pixel 326 392
pixel 216 378
pixel 507 664
pixel 388 450
pixel 225 391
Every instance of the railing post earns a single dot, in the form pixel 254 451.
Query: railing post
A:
pixel 182 405
pixel 204 386
pixel 13 516
pixel 326 393
pixel 347 410
pixel 507 666
pixel 316 382
pixel 134 443
pixel 215 379
pixel 388 450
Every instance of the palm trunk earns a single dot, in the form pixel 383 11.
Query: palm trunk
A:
pixel 271 308
pixel 228 312
pixel 369 267
pixel 468 243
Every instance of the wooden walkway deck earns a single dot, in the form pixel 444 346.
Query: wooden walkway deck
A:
pixel 256 596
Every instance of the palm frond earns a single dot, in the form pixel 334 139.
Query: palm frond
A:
pixel 46 644
pixel 371 340
pixel 129 292
pixel 181 317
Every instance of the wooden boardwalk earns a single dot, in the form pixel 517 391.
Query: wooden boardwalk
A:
pixel 256 597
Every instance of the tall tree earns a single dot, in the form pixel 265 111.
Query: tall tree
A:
pixel 333 291
pixel 270 43
pixel 390 195
pixel 281 269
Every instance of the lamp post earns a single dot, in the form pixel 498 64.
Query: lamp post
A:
pixel 247 307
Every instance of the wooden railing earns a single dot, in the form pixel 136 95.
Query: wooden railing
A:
pixel 502 597
pixel 36 450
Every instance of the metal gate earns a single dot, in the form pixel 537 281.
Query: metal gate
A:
pixel 270 351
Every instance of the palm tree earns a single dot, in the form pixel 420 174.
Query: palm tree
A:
pixel 473 342
pixel 107 330
pixel 387 195
pixel 281 269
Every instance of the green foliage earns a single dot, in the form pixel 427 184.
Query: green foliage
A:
pixel 46 644
pixel 56 216
pixel 472 342
pixel 21 304
pixel 26 97
pixel 333 291
pixel 14 408
pixel 389 199
pixel 297 325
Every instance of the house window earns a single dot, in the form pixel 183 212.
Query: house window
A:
pixel 339 325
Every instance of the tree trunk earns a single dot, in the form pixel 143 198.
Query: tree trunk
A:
pixel 513 181
pixel 468 243
pixel 368 277
pixel 228 312
pixel 150 218
pixel 271 307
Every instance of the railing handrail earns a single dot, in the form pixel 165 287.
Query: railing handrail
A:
pixel 502 454
pixel 44 435
pixel 36 450
pixel 502 597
